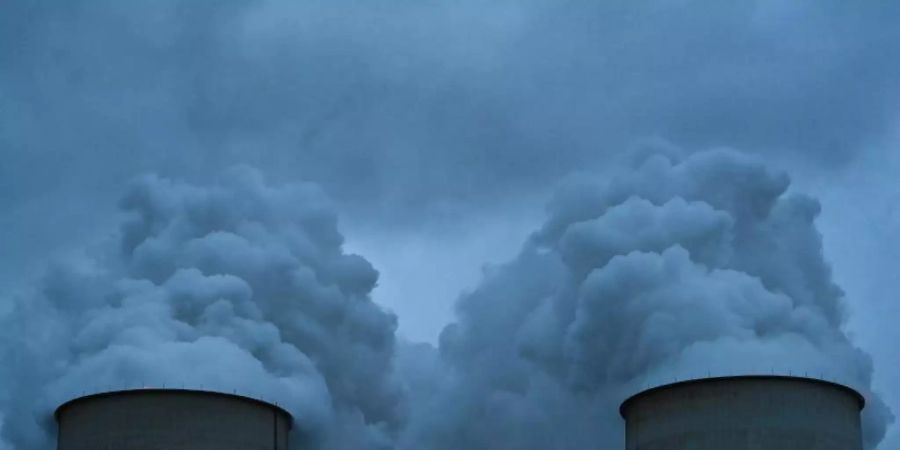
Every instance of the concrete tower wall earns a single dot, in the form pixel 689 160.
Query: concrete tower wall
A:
pixel 745 413
pixel 158 419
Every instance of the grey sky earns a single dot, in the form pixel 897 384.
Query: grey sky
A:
pixel 440 129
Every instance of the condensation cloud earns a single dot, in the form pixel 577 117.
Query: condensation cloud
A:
pixel 238 285
pixel 674 267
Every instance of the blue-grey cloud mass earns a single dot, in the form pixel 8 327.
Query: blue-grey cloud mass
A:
pixel 235 286
pixel 672 268
pixel 172 174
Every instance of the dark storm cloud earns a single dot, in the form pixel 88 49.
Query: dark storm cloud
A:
pixel 410 104
pixel 409 112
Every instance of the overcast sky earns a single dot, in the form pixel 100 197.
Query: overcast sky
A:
pixel 440 130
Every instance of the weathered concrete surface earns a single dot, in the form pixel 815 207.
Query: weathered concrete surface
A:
pixel 744 413
pixel 158 419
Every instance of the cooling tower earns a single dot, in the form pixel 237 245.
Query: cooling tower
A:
pixel 744 413
pixel 171 419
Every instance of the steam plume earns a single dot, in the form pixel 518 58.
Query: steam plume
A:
pixel 673 266
pixel 236 286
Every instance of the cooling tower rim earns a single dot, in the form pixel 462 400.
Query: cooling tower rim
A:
pixel 157 390
pixel 843 387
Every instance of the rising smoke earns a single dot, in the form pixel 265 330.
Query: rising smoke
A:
pixel 674 266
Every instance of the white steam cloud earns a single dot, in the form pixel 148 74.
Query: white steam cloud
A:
pixel 675 266
pixel 237 286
